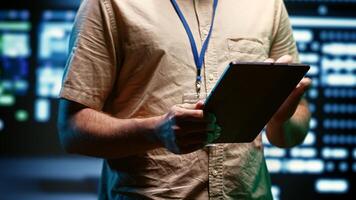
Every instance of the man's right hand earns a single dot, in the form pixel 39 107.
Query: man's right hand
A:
pixel 185 128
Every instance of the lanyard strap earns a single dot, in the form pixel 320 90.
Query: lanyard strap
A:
pixel 198 58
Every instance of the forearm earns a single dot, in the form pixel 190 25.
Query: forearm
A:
pixel 90 132
pixel 291 132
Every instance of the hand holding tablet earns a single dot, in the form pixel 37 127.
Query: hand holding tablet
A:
pixel 248 94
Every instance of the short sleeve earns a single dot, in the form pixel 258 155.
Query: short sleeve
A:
pixel 92 64
pixel 283 41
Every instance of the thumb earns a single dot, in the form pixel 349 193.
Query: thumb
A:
pixel 285 59
pixel 269 60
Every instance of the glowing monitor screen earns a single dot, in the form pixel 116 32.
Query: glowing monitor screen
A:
pixel 54 33
pixel 15 52
pixel 323 167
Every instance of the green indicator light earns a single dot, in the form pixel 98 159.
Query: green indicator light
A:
pixel 21 85
pixel 15 26
pixel 21 115
pixel 7 100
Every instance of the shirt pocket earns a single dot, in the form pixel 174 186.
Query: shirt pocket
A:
pixel 247 49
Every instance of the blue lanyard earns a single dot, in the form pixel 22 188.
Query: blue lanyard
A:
pixel 198 58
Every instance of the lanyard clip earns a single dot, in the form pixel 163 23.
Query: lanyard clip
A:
pixel 198 85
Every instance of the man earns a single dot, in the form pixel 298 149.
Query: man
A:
pixel 131 63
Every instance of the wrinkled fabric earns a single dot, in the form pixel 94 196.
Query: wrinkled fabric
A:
pixel 132 59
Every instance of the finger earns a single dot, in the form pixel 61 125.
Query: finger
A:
pixel 269 60
pixel 199 105
pixel 181 113
pixel 287 109
pixel 301 88
pixel 304 84
pixel 297 94
pixel 189 106
pixel 285 59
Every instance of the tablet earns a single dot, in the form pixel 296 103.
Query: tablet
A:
pixel 248 94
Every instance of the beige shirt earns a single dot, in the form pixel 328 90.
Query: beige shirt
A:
pixel 132 58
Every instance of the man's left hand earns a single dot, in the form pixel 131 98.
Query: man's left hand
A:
pixel 287 109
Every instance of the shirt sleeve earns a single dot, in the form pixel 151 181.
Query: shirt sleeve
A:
pixel 92 64
pixel 283 42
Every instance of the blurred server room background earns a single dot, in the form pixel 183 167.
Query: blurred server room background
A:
pixel 33 49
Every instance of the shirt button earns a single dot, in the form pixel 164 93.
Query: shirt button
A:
pixel 211 77
pixel 215 172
